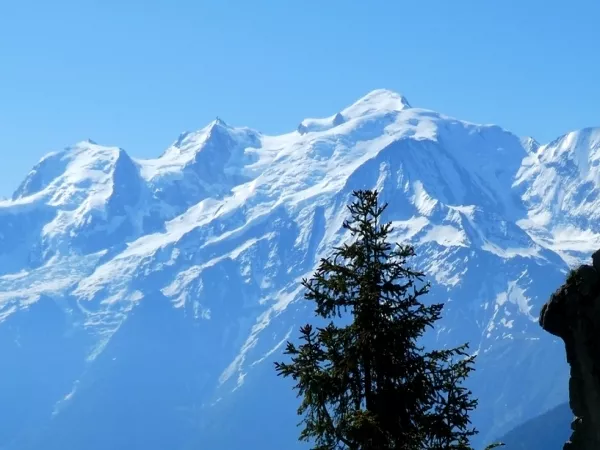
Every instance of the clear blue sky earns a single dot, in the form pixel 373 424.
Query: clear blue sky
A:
pixel 135 73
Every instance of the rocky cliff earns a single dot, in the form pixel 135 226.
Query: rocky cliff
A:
pixel 573 314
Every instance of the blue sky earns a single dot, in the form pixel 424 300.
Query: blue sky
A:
pixel 135 73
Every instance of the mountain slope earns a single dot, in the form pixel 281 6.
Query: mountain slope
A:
pixel 548 431
pixel 175 281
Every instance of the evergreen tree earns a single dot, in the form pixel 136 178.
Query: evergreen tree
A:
pixel 369 385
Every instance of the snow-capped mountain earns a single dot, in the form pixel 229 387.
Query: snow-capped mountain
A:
pixel 142 302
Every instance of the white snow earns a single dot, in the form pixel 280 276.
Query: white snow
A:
pixel 479 203
pixel 378 101
pixel 299 170
pixel 445 235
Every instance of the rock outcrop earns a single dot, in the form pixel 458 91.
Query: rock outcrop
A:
pixel 573 314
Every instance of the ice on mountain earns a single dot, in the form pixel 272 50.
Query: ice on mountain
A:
pixel 379 100
pixel 222 226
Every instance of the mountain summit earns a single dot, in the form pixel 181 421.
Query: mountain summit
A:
pixel 142 302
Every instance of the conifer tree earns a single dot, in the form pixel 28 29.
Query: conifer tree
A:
pixel 369 384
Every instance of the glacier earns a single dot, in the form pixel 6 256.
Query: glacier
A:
pixel 143 301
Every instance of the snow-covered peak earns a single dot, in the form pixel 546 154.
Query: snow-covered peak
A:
pixel 379 100
pixel 227 221
pixel 191 142
pixel 217 138
pixel 560 185
pixel 582 146
pixel 530 144
pixel 66 176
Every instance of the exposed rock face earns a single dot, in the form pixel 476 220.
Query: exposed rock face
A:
pixel 573 314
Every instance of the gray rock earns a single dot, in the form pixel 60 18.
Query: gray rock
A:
pixel 573 314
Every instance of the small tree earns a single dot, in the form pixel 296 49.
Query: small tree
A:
pixel 369 385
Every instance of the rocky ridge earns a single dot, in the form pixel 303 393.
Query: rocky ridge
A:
pixel 573 314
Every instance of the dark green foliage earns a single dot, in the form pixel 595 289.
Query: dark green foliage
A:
pixel 573 278
pixel 369 385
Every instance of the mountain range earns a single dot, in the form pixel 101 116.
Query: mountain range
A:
pixel 143 301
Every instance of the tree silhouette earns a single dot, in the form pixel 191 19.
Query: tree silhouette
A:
pixel 369 384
